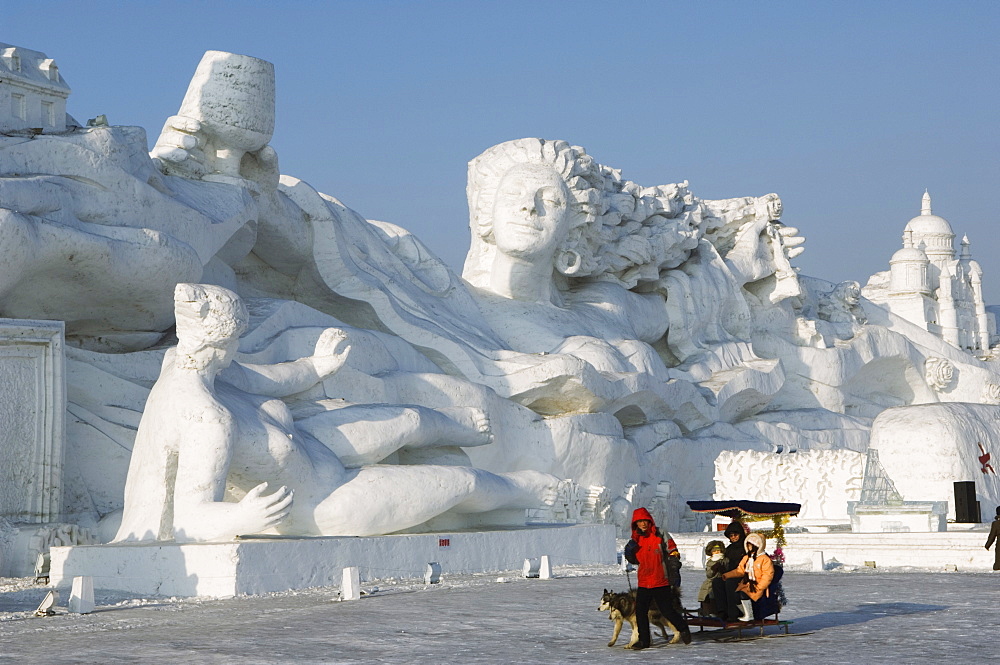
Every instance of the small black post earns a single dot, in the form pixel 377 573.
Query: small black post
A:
pixel 966 505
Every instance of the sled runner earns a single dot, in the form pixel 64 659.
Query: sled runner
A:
pixel 739 626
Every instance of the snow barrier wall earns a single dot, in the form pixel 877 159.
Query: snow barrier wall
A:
pixel 254 566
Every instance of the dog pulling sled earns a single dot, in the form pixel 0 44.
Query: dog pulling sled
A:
pixel 621 608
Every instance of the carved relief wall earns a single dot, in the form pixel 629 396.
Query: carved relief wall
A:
pixel 823 481
pixel 31 419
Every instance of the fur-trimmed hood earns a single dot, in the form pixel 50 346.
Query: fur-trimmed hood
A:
pixel 757 539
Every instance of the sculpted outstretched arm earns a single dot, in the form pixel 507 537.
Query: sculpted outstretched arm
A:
pixel 278 380
pixel 284 379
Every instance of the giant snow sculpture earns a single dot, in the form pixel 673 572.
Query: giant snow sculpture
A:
pixel 617 337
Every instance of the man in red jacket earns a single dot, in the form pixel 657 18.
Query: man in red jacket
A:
pixel 658 559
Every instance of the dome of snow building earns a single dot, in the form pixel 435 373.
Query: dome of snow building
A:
pixel 908 255
pixel 927 223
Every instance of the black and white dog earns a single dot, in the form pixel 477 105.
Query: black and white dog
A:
pixel 622 608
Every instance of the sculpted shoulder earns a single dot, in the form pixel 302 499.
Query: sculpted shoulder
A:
pixel 206 413
pixel 179 396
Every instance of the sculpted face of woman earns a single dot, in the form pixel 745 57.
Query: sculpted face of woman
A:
pixel 530 212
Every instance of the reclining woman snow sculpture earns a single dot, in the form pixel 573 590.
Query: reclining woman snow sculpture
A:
pixel 543 215
pixel 210 436
pixel 585 259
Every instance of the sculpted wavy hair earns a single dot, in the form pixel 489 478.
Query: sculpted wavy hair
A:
pixel 619 231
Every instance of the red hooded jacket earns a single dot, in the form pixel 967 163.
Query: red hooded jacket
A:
pixel 649 551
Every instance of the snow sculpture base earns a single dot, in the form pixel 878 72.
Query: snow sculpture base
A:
pixel 932 551
pixel 909 516
pixel 254 566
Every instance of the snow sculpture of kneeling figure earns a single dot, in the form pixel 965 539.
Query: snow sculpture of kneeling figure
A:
pixel 215 434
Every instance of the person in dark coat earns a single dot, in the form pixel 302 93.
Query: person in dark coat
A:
pixel 727 601
pixel 994 535
pixel 658 559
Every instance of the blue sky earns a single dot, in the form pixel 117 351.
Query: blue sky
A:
pixel 848 110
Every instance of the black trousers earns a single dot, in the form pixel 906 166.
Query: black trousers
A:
pixel 726 599
pixel 663 596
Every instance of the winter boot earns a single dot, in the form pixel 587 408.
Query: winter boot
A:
pixel 746 610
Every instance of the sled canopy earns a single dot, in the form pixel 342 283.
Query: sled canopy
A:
pixel 740 509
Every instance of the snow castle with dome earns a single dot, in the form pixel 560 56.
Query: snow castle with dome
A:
pixel 929 287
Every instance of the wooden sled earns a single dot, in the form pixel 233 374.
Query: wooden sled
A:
pixel 703 622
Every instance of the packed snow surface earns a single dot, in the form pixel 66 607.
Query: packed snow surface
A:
pixel 840 616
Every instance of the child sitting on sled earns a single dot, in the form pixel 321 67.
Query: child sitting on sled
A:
pixel 756 571
pixel 715 552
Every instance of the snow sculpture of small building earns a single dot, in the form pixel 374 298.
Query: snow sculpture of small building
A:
pixel 32 91
pixel 928 286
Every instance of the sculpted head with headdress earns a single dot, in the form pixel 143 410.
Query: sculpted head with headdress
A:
pixel 548 206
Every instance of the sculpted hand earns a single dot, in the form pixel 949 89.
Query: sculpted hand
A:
pixel 331 352
pixel 256 512
pixel 186 148
pixel 180 148
pixel 791 241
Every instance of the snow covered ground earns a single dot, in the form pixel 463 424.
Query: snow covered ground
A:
pixel 842 616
